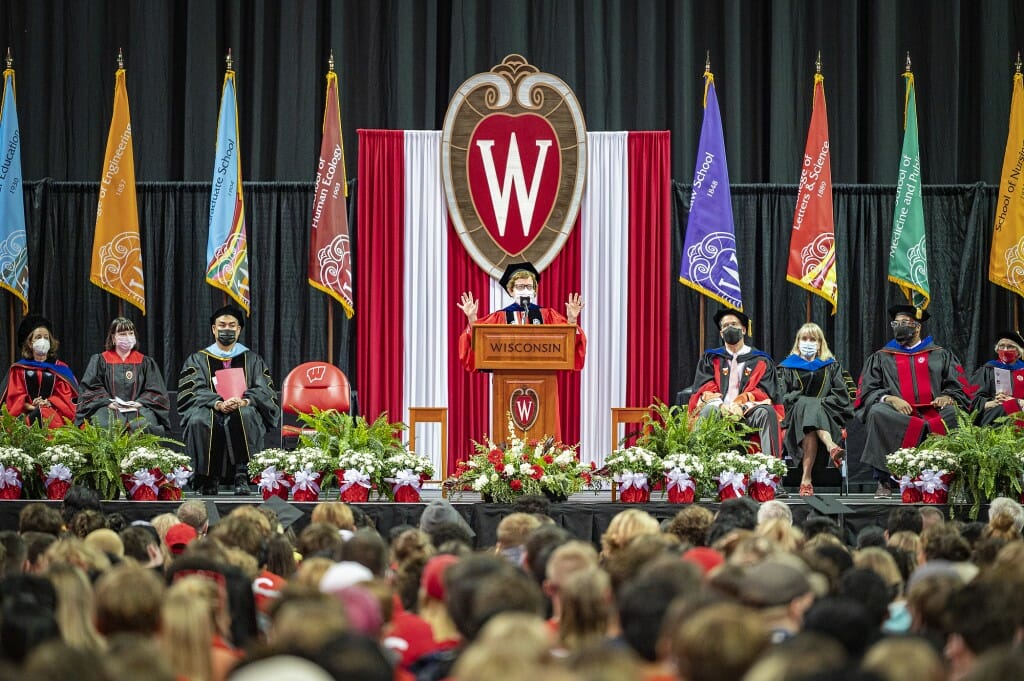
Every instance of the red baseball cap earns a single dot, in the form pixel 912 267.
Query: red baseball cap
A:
pixel 178 537
pixel 433 572
pixel 705 558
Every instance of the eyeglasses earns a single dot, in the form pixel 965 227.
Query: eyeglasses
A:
pixel 904 323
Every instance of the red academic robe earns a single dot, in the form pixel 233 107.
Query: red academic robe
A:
pixel 27 380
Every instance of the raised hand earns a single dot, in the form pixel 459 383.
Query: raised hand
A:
pixel 573 307
pixel 469 306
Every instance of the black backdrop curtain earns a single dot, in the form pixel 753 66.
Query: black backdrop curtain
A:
pixel 967 311
pixel 634 64
pixel 289 322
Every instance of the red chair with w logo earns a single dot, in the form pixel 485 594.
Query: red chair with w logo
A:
pixel 314 384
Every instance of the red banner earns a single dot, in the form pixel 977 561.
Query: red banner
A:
pixel 330 254
pixel 812 246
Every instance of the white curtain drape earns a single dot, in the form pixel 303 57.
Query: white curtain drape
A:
pixel 604 251
pixel 427 303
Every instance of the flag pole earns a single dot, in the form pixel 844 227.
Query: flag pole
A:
pixel 1016 299
pixel 330 307
pixel 701 319
pixel 120 65
pixel 12 313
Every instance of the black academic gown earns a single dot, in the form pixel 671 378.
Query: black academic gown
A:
pixel 240 433
pixel 136 378
pixel 918 375
pixel 984 381
pixel 817 395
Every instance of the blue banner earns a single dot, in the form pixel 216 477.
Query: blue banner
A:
pixel 13 244
pixel 709 252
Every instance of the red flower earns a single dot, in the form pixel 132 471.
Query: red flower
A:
pixel 533 443
pixel 460 465
pixel 586 477
pixel 496 456
pixel 516 485
pixel 526 458
pixel 548 458
pixel 593 466
pixel 537 472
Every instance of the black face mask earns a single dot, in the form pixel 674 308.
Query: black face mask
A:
pixel 903 333
pixel 226 337
pixel 731 335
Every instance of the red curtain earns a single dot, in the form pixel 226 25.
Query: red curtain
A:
pixel 650 275
pixel 380 241
pixel 562 277
pixel 469 393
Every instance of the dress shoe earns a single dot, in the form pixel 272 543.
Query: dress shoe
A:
pixel 806 489
pixel 242 486
pixel 883 492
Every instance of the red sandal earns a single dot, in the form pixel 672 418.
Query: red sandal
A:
pixel 836 454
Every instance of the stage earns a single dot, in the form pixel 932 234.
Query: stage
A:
pixel 585 515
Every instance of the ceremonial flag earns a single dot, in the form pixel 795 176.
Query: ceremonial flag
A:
pixel 1006 262
pixel 330 254
pixel 908 258
pixel 812 244
pixel 13 244
pixel 226 256
pixel 116 246
pixel 709 252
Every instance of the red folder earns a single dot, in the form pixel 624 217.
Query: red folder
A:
pixel 229 382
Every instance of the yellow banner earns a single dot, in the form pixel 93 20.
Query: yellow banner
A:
pixel 1006 261
pixel 116 247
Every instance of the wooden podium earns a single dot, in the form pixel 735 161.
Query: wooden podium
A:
pixel 524 359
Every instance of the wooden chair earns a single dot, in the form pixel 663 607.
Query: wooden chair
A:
pixel 624 416
pixel 431 415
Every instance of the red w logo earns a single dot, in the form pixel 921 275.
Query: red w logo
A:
pixel 316 373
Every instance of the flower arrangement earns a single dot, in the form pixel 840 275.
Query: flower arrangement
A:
pixel 730 471
pixel 358 472
pixel 502 472
pixel 13 462
pixel 268 469
pixel 764 475
pixel 58 465
pixel 143 472
pixel 923 474
pixel 684 475
pixel 307 467
pixel 404 473
pixel 634 469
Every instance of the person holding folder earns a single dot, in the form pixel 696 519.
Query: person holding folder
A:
pixel 909 388
pixel 227 402
pixel 1000 381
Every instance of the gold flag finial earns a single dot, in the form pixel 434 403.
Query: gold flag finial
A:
pixel 1017 65
pixel 120 58
pixel 817 64
pixel 707 61
pixel 908 62
pixel 330 61
pixel 10 59
pixel 229 61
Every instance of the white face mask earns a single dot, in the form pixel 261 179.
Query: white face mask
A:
pixel 808 348
pixel 518 293
pixel 125 343
pixel 41 346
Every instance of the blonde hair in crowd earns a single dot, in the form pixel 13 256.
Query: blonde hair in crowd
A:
pixel 76 607
pixel 812 330
pixel 192 613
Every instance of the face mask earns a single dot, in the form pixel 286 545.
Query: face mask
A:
pixel 731 335
pixel 526 292
pixel 903 332
pixel 1007 356
pixel 808 348
pixel 41 346
pixel 226 337
pixel 125 343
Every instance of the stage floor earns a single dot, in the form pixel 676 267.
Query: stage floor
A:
pixel 585 515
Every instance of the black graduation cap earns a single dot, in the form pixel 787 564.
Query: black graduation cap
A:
pixel 287 514
pixel 1011 335
pixel 744 319
pixel 32 322
pixel 212 514
pixel 509 276
pixel 231 310
pixel 909 310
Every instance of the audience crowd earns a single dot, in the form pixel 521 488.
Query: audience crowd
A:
pixel 741 594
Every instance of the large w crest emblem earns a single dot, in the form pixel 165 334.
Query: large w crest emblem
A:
pixel 514 159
